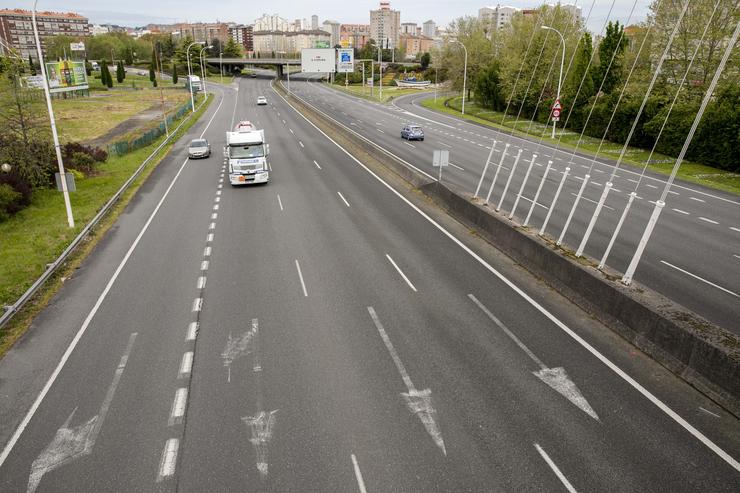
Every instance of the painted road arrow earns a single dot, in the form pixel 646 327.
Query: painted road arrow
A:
pixel 555 378
pixel 237 347
pixel 419 402
pixel 72 443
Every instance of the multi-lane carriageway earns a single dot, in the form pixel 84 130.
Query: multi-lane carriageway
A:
pixel 330 332
pixel 693 256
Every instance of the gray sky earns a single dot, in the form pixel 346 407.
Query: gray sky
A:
pixel 141 12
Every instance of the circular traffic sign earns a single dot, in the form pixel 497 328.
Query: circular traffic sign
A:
pixel 556 113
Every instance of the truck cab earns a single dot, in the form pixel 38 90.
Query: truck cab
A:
pixel 247 153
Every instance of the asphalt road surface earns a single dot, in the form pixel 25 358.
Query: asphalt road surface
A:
pixel 693 256
pixel 330 331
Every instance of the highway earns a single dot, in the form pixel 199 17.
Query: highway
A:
pixel 330 331
pixel 693 256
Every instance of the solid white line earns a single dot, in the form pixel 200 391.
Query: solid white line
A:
pixel 342 197
pixel 300 275
pixel 201 282
pixel 178 406
pixel 197 304
pixel 192 331
pixel 400 272
pixel 169 459
pixel 34 407
pixel 701 279
pixel 358 475
pixel 682 212
pixel 280 202
pixel 606 361
pixel 710 221
pixel 186 365
pixel 555 469
pixel 710 412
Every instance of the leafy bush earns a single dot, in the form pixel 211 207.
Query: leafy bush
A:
pixel 19 185
pixel 8 197
pixel 82 157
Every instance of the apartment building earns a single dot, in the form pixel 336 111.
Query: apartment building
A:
pixel 413 44
pixel 385 25
pixel 354 35
pixel 16 28
pixel 243 35
pixel 333 28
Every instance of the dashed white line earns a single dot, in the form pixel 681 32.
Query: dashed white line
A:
pixel 701 279
pixel 410 144
pixel 209 238
pixel 400 272
pixel 681 212
pixel 358 475
pixel 201 282
pixel 212 226
pixel 197 305
pixel 169 459
pixel 186 365
pixel 446 145
pixel 216 207
pixel 214 215
pixel 710 221
pixel 291 131
pixel 317 164
pixel 301 143
pixel 343 199
pixel 204 265
pixel 555 469
pixel 300 276
pixel 280 202
pixel 178 406
pixel 379 130
pixel 192 331
pixel 207 251
pixel 735 229
pixel 456 166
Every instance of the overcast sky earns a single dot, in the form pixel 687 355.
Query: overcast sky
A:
pixel 141 12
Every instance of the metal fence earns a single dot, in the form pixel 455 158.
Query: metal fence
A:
pixel 125 146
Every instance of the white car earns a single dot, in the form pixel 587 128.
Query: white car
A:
pixel 261 100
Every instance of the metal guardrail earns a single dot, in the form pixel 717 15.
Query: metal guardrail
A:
pixel 13 309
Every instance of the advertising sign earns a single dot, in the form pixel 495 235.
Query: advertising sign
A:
pixel 66 76
pixel 321 44
pixel 318 60
pixel 345 60
pixel 77 46
pixel 34 81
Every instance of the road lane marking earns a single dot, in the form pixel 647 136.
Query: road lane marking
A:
pixel 556 321
pixel 446 145
pixel 280 202
pixel 169 459
pixel 358 475
pixel 178 406
pixel 216 207
pixel 682 212
pixel 301 143
pixel 709 412
pixel 186 365
pixel 736 255
pixel 342 197
pixel 207 251
pixel 592 201
pixel 300 276
pixel 697 200
pixel 212 226
pixel 701 279
pixel 555 469
pixel 197 305
pixel 209 238
pixel 214 215
pixel 204 265
pixel 400 272
pixel 456 166
pixel 735 229
pixel 317 164
pixel 710 221
pixel 201 282
pixel 291 131
pixel 34 407
pixel 192 331
pixel 379 130
pixel 410 144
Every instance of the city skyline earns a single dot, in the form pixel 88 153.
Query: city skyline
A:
pixel 233 11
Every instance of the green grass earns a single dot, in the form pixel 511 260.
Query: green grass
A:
pixel 389 92
pixel 660 163
pixel 38 234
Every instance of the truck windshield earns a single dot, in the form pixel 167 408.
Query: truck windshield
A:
pixel 248 151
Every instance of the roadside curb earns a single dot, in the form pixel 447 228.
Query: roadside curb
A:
pixel 701 353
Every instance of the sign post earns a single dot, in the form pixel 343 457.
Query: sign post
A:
pixel 441 158
pixel 556 109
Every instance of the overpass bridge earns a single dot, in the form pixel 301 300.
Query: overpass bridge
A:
pixel 278 63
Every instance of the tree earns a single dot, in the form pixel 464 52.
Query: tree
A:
pixel 32 66
pixel 120 72
pixel 88 67
pixel 487 86
pixel 152 71
pixel 232 49
pixel 610 71
pixel 425 60
pixel 105 76
pixel 579 78
pixel 174 73
pixel 215 49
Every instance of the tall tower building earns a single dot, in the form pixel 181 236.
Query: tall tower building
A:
pixel 385 25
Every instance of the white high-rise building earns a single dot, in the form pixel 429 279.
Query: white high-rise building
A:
pixel 408 28
pixel 496 17
pixel 385 25
pixel 332 27
pixel 271 23
pixel 429 29
pixel 314 22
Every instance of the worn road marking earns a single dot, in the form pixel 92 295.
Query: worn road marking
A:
pixel 317 164
pixel 204 265
pixel 197 305
pixel 698 200
pixel 169 459
pixel 201 282
pixel 301 143
pixel 178 406
pixel 400 272
pixel 300 276
pixel 701 279
pixel 555 469
pixel 207 251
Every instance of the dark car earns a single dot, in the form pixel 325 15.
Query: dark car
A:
pixel 412 132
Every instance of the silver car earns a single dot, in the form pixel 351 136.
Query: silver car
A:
pixel 199 148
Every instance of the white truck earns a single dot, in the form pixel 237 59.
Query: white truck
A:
pixel 247 153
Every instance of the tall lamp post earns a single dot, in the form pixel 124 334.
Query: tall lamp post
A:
pixel 190 73
pixel 465 72
pixel 203 68
pixel 380 69
pixel 562 62
pixel 57 148
pixel 221 65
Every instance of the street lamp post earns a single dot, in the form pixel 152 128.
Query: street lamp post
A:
pixel 57 148
pixel 190 73
pixel 560 78
pixel 465 72
pixel 380 70
pixel 203 68
pixel 221 65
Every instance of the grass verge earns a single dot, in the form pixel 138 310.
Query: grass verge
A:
pixel 39 233
pixel 689 171
pixel 389 92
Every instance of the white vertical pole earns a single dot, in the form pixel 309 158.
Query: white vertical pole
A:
pixel 524 184
pixel 485 168
pixel 55 136
pixel 573 209
pixel 554 201
pixel 616 230
pixel 594 217
pixel 627 279
pixel 508 180
pixel 537 194
pixel 495 176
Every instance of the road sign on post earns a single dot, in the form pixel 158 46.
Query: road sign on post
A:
pixel 441 158
pixel 556 109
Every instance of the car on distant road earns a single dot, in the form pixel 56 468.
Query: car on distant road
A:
pixel 199 148
pixel 253 75
pixel 412 132
pixel 261 100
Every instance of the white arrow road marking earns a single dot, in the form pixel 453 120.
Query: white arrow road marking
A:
pixel 556 378
pixel 261 426
pixel 239 346
pixel 71 443
pixel 555 469
pixel 419 402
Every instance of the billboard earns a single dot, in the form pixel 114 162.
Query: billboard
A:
pixel 318 60
pixel 66 76
pixel 321 44
pixel 77 46
pixel 345 60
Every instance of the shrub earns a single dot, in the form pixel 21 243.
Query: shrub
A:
pixel 20 186
pixel 8 197
pixel 83 158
